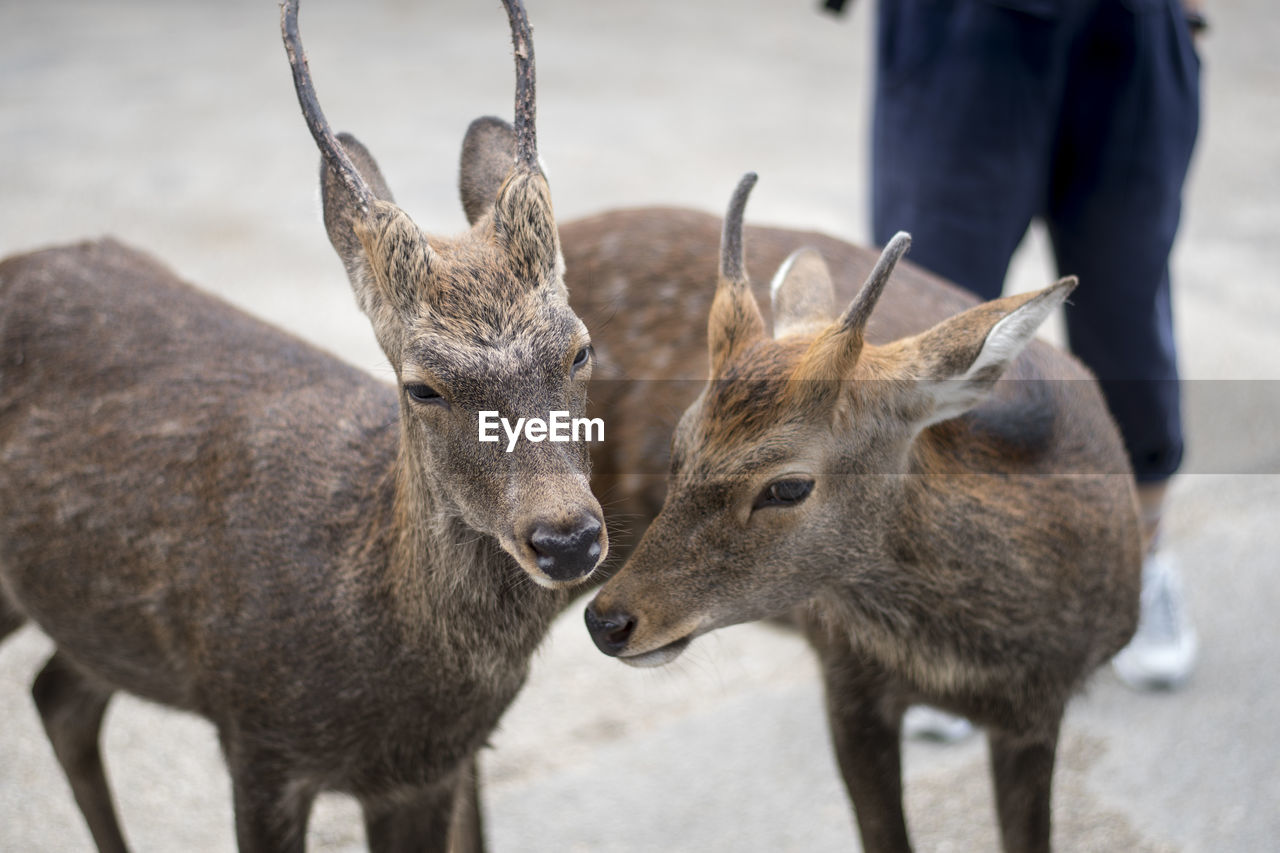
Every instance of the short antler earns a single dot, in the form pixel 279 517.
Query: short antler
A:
pixel 733 267
pixel 735 317
pixel 526 106
pixel 334 154
pixel 859 311
pixel 833 354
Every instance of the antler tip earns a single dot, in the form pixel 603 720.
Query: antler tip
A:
pixel 732 262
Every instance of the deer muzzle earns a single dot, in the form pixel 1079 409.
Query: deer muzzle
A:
pixel 566 552
pixel 614 631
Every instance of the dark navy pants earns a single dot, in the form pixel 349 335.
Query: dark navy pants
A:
pixel 989 113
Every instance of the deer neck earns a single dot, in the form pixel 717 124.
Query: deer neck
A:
pixel 450 584
pixel 909 576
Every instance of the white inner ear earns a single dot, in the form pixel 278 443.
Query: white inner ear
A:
pixel 1008 337
pixel 801 294
pixel 781 275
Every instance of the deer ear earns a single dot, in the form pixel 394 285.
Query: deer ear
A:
pixel 341 209
pixel 959 360
pixel 802 293
pixel 488 156
pixel 525 227
pixel 386 256
pixel 398 261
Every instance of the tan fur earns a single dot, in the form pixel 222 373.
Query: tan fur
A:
pixel 737 323
pixel 969 540
pixel 638 278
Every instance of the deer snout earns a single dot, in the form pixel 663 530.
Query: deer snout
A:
pixel 618 632
pixel 569 552
pixel 610 629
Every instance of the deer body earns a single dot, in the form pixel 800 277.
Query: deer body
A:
pixel 230 500
pixel 945 503
pixel 209 513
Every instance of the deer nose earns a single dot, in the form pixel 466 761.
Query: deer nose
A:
pixel 610 630
pixel 566 555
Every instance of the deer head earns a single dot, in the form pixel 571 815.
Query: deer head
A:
pixel 797 457
pixel 477 322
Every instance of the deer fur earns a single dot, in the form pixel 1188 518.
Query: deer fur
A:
pixel 633 278
pixel 946 535
pixel 206 512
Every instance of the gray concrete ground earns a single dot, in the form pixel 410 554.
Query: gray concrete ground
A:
pixel 174 127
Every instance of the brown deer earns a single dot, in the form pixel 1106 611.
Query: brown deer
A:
pixel 206 512
pixel 945 534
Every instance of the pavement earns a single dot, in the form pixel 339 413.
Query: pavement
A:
pixel 173 126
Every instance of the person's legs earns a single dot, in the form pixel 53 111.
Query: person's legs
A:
pixel 1129 122
pixel 964 110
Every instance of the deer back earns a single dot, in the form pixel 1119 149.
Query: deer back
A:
pixel 164 450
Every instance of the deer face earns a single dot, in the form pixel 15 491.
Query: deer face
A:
pixel 484 338
pixel 768 497
pixel 789 468
pixel 481 323
pixel 477 323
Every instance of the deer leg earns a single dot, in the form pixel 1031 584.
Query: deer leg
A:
pixel 421 823
pixel 71 708
pixel 865 730
pixel 271 811
pixel 1023 770
pixel 466 835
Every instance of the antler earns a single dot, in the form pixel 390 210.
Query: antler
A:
pixel 859 312
pixel 733 267
pixel 334 154
pixel 526 107
pixel 735 317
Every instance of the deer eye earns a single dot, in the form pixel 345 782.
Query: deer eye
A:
pixel 420 393
pixel 783 493
pixel 583 356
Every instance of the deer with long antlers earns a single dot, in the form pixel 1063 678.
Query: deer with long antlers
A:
pixel 208 513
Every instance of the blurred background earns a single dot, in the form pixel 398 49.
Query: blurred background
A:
pixel 174 127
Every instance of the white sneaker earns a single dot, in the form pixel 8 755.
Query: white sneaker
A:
pixel 923 722
pixel 1162 653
